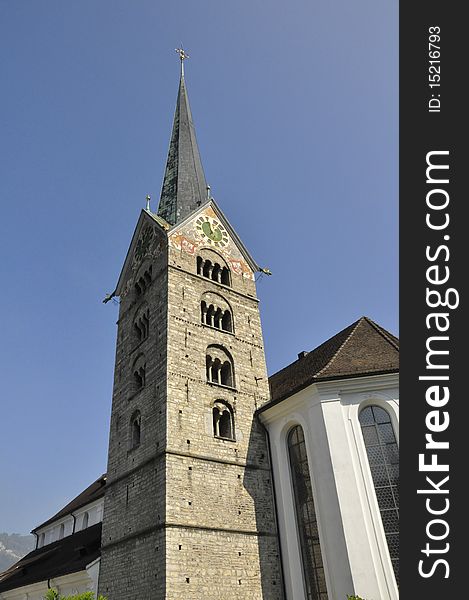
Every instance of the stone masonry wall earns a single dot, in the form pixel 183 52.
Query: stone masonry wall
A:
pixel 133 538
pixel 188 514
pixel 219 492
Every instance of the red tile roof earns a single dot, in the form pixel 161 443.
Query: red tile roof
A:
pixel 363 348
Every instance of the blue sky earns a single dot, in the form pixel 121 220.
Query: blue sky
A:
pixel 295 107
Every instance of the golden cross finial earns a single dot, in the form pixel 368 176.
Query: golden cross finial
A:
pixel 182 55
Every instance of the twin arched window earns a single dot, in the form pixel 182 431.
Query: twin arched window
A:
pixel 223 421
pixel 219 366
pixel 313 568
pixel 383 458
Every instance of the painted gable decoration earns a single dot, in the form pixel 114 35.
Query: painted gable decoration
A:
pixel 206 230
pixel 147 246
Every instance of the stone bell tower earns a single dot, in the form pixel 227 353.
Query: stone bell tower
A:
pixel 189 509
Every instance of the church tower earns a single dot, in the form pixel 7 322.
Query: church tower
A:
pixel 189 507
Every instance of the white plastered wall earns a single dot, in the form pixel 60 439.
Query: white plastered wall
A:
pixel 354 549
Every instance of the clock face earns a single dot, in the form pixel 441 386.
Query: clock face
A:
pixel 211 231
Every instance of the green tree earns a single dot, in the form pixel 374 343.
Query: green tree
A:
pixel 54 595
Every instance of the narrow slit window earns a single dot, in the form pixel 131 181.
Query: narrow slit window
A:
pixel 135 430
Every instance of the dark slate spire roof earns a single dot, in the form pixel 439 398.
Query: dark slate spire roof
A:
pixel 184 186
pixel 363 348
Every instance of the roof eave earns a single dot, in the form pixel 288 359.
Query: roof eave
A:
pixel 314 380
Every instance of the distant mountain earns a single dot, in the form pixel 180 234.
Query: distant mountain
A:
pixel 14 546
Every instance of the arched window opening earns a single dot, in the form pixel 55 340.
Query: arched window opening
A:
pixel 61 531
pixel 313 567
pixel 223 422
pixel 226 374
pixel 209 367
pixel 203 312
pixel 226 324
pixel 143 282
pixel 219 367
pixel 139 377
pixel 383 457
pixel 207 269
pixel 215 312
pixel 213 268
pixel 41 540
pixel 216 273
pixel 135 430
pixel 142 325
pixel 225 276
pixel 86 518
pixel 216 371
pixel 139 373
pixel 210 316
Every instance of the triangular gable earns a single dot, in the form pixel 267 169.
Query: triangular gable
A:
pixel 185 224
pixel 145 217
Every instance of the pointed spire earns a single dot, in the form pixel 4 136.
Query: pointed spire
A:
pixel 184 186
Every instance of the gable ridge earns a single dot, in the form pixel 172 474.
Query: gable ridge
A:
pixel 337 352
pixel 382 332
pixel 387 336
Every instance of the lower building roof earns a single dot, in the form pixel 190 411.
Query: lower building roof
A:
pixel 93 492
pixel 68 555
pixel 363 348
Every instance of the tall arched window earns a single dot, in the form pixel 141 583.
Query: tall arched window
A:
pixel 61 531
pixel 313 568
pixel 383 458
pixel 86 518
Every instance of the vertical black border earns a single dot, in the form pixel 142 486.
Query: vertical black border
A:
pixel 421 132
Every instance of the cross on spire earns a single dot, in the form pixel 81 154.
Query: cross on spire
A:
pixel 182 55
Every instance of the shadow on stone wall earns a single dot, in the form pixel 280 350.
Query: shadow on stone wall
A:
pixel 258 483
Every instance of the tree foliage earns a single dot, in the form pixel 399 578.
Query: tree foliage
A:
pixel 54 595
